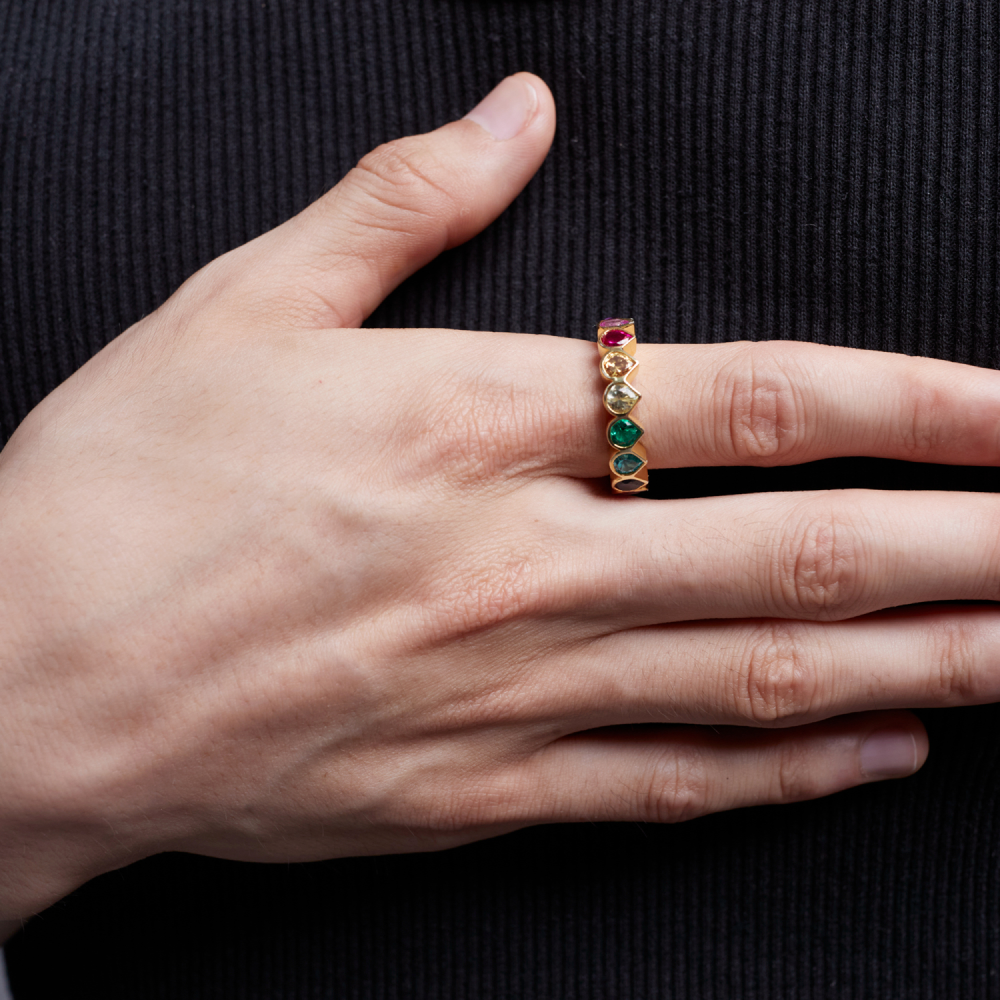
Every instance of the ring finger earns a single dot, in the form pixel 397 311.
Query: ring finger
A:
pixel 779 403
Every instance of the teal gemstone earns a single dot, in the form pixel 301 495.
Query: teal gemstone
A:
pixel 630 485
pixel 624 432
pixel 627 463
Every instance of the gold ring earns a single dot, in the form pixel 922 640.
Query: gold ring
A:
pixel 616 352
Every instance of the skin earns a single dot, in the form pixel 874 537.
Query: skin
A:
pixel 276 588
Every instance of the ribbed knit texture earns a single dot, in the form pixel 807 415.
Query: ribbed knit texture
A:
pixel 723 169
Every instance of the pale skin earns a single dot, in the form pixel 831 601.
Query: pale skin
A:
pixel 244 616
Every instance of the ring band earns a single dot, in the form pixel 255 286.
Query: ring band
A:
pixel 616 354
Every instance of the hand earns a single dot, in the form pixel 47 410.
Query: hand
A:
pixel 276 588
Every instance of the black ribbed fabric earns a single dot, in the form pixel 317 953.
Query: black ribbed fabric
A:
pixel 723 169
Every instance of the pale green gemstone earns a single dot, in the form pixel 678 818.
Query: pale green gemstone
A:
pixel 620 397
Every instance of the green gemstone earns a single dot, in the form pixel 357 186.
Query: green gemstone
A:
pixel 624 432
pixel 627 463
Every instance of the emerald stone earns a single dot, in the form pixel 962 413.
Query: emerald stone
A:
pixel 630 485
pixel 624 432
pixel 627 463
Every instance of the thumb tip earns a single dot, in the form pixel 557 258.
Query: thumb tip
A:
pixel 512 106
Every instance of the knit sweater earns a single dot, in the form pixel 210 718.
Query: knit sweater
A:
pixel 821 170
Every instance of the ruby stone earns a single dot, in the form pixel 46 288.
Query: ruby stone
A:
pixel 615 338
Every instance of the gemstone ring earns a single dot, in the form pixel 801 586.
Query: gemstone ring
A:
pixel 616 353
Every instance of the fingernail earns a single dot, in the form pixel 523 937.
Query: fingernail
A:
pixel 505 110
pixel 888 753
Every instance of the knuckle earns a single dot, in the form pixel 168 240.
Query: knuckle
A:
pixel 503 592
pixel 304 304
pixel 492 433
pixel 233 292
pixel 795 780
pixel 484 440
pixel 225 295
pixel 921 431
pixel 954 678
pixel 482 790
pixel 499 585
pixel 675 788
pixel 774 682
pixel 401 176
pixel 761 420
pixel 474 805
pixel 817 569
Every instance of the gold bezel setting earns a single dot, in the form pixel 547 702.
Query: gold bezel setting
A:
pixel 616 364
pixel 620 398
pixel 616 352
pixel 620 459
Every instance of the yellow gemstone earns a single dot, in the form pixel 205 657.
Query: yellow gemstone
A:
pixel 617 365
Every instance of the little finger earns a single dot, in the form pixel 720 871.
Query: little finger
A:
pixel 679 774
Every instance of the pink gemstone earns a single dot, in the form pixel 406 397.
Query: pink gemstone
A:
pixel 615 338
pixel 611 321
